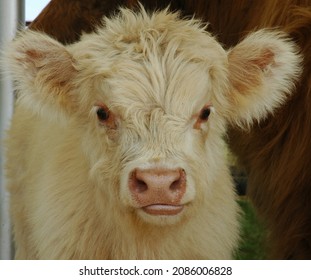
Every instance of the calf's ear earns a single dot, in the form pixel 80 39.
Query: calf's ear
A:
pixel 42 70
pixel 263 69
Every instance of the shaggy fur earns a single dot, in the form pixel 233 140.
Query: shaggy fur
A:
pixel 69 171
pixel 276 153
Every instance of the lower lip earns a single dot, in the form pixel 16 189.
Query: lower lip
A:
pixel 163 209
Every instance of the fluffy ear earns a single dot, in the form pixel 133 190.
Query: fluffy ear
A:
pixel 262 71
pixel 42 70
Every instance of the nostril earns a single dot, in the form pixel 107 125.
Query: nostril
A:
pixel 179 182
pixel 140 186
pixel 137 184
pixel 175 185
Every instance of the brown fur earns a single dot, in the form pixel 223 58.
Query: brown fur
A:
pixel 276 153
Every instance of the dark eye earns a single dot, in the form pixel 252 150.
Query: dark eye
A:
pixel 102 114
pixel 204 114
pixel 105 116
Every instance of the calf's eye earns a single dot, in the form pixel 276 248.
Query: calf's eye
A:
pixel 204 114
pixel 105 116
pixel 102 114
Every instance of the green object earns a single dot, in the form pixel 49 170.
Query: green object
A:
pixel 253 234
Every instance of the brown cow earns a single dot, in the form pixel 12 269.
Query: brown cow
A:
pixel 276 153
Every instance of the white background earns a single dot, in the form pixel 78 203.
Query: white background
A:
pixel 33 8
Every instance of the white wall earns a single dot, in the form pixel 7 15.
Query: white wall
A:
pixel 11 19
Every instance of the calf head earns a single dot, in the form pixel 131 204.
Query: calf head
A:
pixel 150 96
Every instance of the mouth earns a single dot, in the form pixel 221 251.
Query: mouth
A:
pixel 163 209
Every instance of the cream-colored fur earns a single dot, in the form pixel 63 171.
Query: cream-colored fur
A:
pixel 68 172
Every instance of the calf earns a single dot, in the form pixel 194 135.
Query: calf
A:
pixel 116 147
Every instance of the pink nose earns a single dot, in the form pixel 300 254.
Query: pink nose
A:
pixel 158 191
